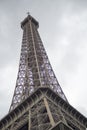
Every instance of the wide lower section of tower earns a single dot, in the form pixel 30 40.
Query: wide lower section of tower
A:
pixel 44 110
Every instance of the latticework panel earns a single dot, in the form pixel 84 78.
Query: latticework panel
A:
pixel 34 68
pixel 44 115
pixel 41 116
pixel 16 125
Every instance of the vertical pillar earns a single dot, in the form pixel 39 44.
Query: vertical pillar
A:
pixel 29 123
pixel 61 126
pixel 49 112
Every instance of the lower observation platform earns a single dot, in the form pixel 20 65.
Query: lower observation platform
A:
pixel 19 119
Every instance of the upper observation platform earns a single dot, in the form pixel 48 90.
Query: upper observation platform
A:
pixel 26 20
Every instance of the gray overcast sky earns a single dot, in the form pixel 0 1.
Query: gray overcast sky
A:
pixel 63 29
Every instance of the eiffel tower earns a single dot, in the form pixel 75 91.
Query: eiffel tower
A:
pixel 38 102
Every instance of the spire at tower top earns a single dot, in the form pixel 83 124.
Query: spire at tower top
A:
pixel 28 13
pixel 26 20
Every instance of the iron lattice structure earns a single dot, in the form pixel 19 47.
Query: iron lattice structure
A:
pixel 39 102
pixel 34 69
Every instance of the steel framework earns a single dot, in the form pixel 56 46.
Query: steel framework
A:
pixel 38 102
pixel 34 69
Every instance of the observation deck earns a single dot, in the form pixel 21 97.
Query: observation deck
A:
pixel 26 20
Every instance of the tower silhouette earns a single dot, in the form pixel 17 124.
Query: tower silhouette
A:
pixel 34 69
pixel 38 102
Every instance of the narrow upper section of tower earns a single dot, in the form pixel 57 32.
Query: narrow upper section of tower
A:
pixel 26 20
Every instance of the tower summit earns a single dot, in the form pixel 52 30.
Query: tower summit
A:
pixel 38 102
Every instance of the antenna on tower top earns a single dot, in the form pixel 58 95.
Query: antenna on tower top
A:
pixel 28 13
